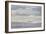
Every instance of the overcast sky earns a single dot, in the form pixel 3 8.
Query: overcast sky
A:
pixel 26 10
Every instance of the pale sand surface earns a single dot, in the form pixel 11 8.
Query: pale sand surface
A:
pixel 26 22
pixel 25 18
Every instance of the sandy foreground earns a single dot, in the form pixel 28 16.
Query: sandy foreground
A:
pixel 26 19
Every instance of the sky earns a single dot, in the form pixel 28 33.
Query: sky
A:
pixel 26 10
